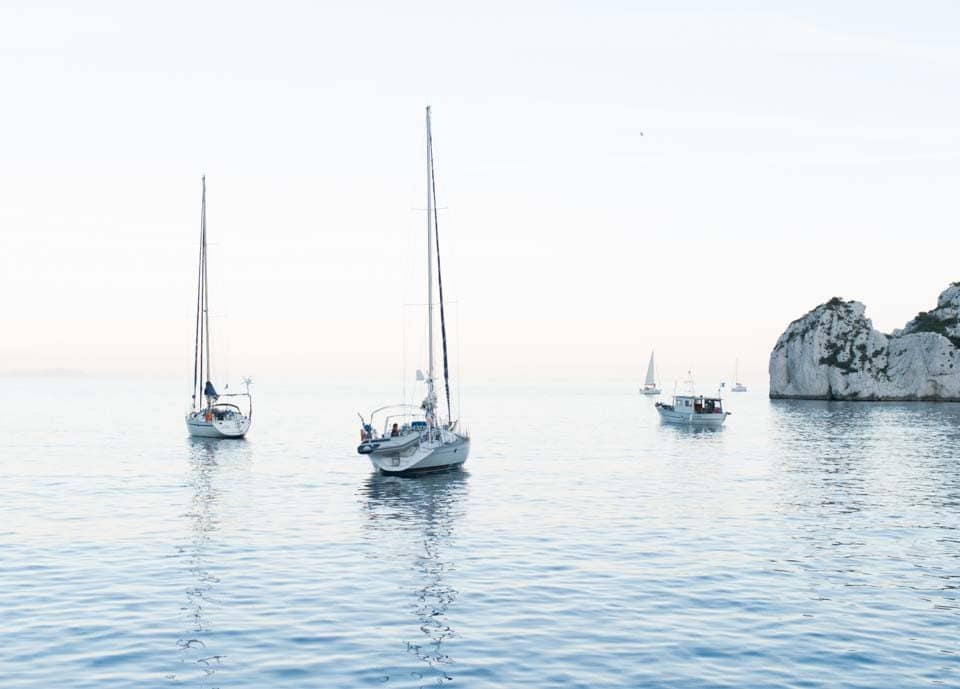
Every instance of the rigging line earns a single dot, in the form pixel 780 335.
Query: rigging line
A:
pixel 459 359
pixel 443 321
pixel 205 323
pixel 196 331
pixel 225 351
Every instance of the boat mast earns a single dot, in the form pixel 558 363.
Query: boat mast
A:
pixel 206 281
pixel 443 318
pixel 198 332
pixel 431 396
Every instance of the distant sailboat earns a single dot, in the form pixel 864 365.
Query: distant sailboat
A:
pixel 650 382
pixel 213 418
pixel 737 385
pixel 417 438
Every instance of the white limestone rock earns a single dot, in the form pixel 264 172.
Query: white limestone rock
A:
pixel 833 352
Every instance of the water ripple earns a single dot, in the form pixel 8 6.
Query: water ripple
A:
pixel 807 544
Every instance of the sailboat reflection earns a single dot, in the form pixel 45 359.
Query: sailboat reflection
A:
pixel 206 457
pixel 426 507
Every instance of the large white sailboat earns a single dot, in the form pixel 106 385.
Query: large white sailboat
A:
pixel 211 415
pixel 414 438
pixel 650 382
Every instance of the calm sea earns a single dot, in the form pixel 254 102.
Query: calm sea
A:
pixel 584 545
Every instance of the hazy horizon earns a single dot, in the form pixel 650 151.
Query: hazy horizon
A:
pixel 615 178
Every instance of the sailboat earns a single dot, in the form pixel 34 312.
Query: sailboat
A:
pixel 211 414
pixel 650 382
pixel 414 438
pixel 737 385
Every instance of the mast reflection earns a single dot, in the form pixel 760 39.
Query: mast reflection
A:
pixel 427 509
pixel 206 457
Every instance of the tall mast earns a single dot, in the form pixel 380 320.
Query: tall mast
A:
pixel 198 332
pixel 206 305
pixel 430 201
pixel 443 318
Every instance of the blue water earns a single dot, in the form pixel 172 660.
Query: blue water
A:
pixel 584 545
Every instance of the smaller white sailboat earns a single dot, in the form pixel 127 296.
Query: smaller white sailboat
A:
pixel 211 415
pixel 650 382
pixel 737 385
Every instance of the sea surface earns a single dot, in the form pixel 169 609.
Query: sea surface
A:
pixel 806 544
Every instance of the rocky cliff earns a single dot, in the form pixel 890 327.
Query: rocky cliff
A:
pixel 833 352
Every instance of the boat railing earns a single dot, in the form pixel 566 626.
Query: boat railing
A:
pixel 240 394
pixel 409 418
pixel 403 412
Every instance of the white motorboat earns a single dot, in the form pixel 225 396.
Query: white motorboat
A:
pixel 212 415
pixel 417 438
pixel 693 410
pixel 650 382
pixel 737 385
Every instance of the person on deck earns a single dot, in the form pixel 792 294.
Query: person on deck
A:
pixel 395 431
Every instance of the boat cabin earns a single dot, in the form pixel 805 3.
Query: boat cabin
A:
pixel 220 411
pixel 696 404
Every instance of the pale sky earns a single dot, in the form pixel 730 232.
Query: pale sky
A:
pixel 786 156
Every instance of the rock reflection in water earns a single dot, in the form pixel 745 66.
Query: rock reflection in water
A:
pixel 856 510
pixel 424 509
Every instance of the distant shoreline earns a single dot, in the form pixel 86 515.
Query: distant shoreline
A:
pixel 44 373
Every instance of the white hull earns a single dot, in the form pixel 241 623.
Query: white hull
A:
pixel 424 456
pixel 738 388
pixel 227 428
pixel 650 391
pixel 689 418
